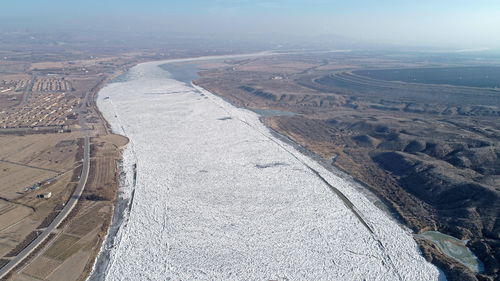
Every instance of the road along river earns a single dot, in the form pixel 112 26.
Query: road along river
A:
pixel 215 196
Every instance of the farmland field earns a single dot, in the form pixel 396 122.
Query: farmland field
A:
pixel 477 76
pixel 356 83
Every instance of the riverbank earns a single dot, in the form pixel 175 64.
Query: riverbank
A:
pixel 399 153
pixel 248 179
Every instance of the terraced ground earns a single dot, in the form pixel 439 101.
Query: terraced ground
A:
pixel 468 76
pixel 359 85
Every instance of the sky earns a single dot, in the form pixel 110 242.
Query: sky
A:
pixel 456 24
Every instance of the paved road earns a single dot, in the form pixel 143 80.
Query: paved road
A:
pixel 62 215
pixel 27 91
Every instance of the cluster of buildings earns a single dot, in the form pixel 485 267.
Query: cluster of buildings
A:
pixel 41 110
pixel 13 85
pixel 51 85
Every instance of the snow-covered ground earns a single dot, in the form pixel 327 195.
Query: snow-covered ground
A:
pixel 217 197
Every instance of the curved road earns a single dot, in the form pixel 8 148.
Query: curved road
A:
pixel 70 204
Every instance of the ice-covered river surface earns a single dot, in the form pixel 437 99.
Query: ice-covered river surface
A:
pixel 218 197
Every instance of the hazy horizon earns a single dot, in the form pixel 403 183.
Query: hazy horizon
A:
pixel 448 24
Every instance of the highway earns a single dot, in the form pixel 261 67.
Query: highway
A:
pixel 70 204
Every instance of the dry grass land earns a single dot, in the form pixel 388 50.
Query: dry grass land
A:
pixel 70 255
pixel 30 166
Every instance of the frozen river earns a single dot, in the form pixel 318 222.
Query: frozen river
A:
pixel 218 197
